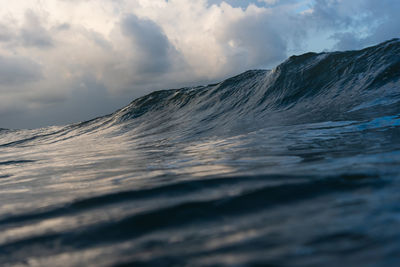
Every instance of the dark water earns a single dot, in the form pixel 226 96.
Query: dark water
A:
pixel 298 166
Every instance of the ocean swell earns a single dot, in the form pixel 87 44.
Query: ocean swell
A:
pixel 295 166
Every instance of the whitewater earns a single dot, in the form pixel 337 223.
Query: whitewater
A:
pixel 295 166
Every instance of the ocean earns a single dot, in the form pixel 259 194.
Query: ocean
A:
pixel 294 166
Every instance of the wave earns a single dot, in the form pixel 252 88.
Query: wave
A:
pixel 307 88
pixel 313 87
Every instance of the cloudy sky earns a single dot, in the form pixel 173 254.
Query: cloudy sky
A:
pixel 64 61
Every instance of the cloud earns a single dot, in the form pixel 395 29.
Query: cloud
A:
pixel 253 41
pixel 357 23
pixel 33 33
pixel 5 33
pixel 152 47
pixel 18 71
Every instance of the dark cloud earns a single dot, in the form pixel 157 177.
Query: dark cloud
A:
pixel 87 99
pixel 33 33
pixel 256 42
pixel 6 34
pixel 151 46
pixel 98 39
pixel 356 24
pixel 331 14
pixel 347 40
pixel 383 21
pixel 63 27
pixel 17 71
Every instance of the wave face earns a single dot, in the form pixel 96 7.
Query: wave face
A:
pixel 297 166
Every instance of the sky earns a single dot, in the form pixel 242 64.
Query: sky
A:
pixel 65 61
